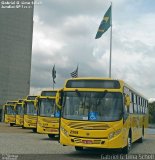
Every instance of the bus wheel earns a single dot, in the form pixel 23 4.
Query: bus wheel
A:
pixel 140 140
pixel 23 127
pixel 78 148
pixel 34 130
pixel 11 124
pixel 51 135
pixel 127 149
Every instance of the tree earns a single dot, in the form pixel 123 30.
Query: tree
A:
pixel 152 112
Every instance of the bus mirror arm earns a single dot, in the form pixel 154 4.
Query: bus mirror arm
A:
pixel 35 105
pixel 59 99
pixel 36 102
pixel 127 101
pixel 125 116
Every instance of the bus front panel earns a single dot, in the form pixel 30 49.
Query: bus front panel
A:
pixel 48 125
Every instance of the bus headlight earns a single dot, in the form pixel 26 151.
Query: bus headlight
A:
pixel 64 131
pixel 113 134
pixel 117 132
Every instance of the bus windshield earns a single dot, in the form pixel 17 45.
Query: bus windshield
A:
pixel 10 110
pixel 47 107
pixel 30 109
pixel 19 109
pixel 93 106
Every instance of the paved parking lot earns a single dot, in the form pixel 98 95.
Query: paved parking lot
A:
pixel 26 144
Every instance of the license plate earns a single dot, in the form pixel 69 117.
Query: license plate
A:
pixel 87 141
pixel 54 130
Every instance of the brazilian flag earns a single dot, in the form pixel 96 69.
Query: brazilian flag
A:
pixel 105 24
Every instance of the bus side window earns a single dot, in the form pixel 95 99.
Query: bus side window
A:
pixel 131 109
pixel 135 104
pixel 146 107
pixel 141 105
pixel 141 108
pixel 125 107
pixel 138 106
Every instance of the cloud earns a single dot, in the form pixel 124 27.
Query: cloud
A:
pixel 64 33
pixel 151 100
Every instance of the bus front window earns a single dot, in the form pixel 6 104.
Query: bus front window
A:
pixel 47 107
pixel 19 109
pixel 93 106
pixel 30 109
pixel 10 110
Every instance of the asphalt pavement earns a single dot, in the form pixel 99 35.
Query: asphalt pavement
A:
pixel 17 143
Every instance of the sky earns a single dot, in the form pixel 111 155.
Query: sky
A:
pixel 64 35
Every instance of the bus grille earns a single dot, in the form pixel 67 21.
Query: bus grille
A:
pixel 50 121
pixel 32 117
pixel 79 140
pixel 88 126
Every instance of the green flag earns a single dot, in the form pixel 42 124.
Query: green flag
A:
pixel 54 74
pixel 105 24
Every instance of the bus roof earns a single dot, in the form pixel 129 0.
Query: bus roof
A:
pixel 20 100
pixel 98 83
pixel 51 93
pixel 12 102
pixel 31 98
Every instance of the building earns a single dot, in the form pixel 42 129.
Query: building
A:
pixel 16 30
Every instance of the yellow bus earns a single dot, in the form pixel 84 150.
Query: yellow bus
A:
pixel 30 113
pixel 19 113
pixel 9 112
pixel 48 114
pixel 101 113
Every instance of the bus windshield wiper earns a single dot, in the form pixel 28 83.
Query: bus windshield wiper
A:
pixel 104 93
pixel 78 93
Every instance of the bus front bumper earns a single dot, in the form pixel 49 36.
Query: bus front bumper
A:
pixel 114 143
pixel 47 130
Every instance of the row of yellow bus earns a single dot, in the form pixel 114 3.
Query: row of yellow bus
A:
pixel 86 112
pixel 37 112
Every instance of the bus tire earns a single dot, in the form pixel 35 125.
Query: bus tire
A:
pixel 140 140
pixel 127 148
pixel 78 148
pixel 23 127
pixel 51 135
pixel 11 124
pixel 34 130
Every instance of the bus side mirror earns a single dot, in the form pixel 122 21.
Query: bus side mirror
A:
pixel 23 102
pixel 14 107
pixel 36 102
pixel 127 101
pixel 4 109
pixel 59 99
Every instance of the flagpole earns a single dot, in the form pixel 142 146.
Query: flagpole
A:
pixel 105 24
pixel 53 75
pixel 78 70
pixel 53 85
pixel 110 45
